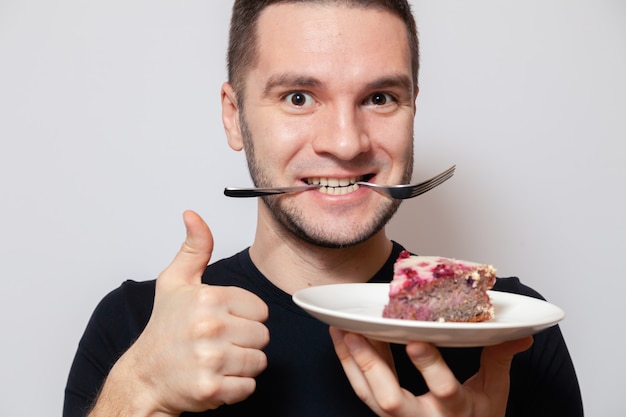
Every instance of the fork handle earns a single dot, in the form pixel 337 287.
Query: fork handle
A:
pixel 260 192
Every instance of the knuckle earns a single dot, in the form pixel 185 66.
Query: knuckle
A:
pixel 215 392
pixel 210 358
pixel 367 363
pixel 362 393
pixel 447 390
pixel 390 403
pixel 244 389
pixel 251 363
pixel 263 335
pixel 209 388
pixel 209 295
pixel 263 311
pixel 258 362
pixel 208 329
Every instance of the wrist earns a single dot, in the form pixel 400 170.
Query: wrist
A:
pixel 126 393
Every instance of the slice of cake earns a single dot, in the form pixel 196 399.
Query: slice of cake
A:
pixel 434 288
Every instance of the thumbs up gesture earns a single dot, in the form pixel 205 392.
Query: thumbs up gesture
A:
pixel 202 345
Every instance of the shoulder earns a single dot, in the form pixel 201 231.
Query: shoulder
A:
pixel 545 371
pixel 129 295
pixel 125 311
pixel 515 286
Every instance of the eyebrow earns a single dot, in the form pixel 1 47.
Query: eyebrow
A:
pixel 289 80
pixel 404 82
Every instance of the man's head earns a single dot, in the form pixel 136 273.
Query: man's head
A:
pixel 329 96
pixel 242 47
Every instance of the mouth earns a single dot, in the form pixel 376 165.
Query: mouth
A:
pixel 337 186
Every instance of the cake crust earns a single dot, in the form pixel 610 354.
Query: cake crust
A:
pixel 434 288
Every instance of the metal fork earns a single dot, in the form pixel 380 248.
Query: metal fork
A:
pixel 402 191
pixel 405 191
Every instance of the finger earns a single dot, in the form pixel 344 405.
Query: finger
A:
pixel 234 389
pixel 384 350
pixel 437 375
pixel 236 301
pixel 350 368
pixel 495 364
pixel 210 393
pixel 370 375
pixel 193 256
pixel 247 315
pixel 500 356
pixel 246 304
pixel 244 362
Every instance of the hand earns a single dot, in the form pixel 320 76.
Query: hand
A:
pixel 373 378
pixel 202 345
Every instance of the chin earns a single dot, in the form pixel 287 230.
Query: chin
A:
pixel 335 243
pixel 337 230
pixel 335 236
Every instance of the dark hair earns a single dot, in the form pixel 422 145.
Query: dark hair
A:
pixel 242 46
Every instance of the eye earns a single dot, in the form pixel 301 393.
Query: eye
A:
pixel 380 99
pixel 299 99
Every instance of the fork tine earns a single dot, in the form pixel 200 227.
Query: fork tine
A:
pixel 433 182
pixel 405 191
pixel 427 187
pixel 445 174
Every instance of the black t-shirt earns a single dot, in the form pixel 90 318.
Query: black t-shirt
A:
pixel 304 377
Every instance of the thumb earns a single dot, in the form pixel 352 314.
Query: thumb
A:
pixel 499 357
pixel 193 256
pixel 495 365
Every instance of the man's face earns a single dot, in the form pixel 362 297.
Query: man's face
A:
pixel 331 99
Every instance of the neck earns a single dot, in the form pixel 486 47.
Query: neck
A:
pixel 293 264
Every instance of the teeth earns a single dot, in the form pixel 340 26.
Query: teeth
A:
pixel 339 190
pixel 335 186
pixel 332 182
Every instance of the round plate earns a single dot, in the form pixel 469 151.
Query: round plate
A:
pixel 358 308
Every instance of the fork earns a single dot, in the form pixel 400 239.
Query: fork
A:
pixel 400 192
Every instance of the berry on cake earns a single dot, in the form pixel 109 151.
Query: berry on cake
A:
pixel 434 288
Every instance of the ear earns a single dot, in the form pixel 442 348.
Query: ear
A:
pixel 230 117
pixel 417 91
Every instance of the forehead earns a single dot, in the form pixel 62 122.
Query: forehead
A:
pixel 331 40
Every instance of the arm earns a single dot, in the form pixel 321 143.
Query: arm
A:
pixel 374 381
pixel 200 348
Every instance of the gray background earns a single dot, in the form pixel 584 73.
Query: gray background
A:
pixel 110 127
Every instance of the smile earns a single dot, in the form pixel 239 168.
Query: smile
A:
pixel 335 186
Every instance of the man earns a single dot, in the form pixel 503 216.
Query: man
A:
pixel 317 89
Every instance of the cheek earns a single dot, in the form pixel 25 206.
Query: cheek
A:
pixel 394 136
pixel 407 148
pixel 279 138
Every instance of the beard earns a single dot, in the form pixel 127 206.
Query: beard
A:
pixel 294 221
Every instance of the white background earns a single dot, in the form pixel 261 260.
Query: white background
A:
pixel 110 127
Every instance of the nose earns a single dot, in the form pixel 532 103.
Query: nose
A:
pixel 342 133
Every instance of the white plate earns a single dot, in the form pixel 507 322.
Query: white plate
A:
pixel 358 308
